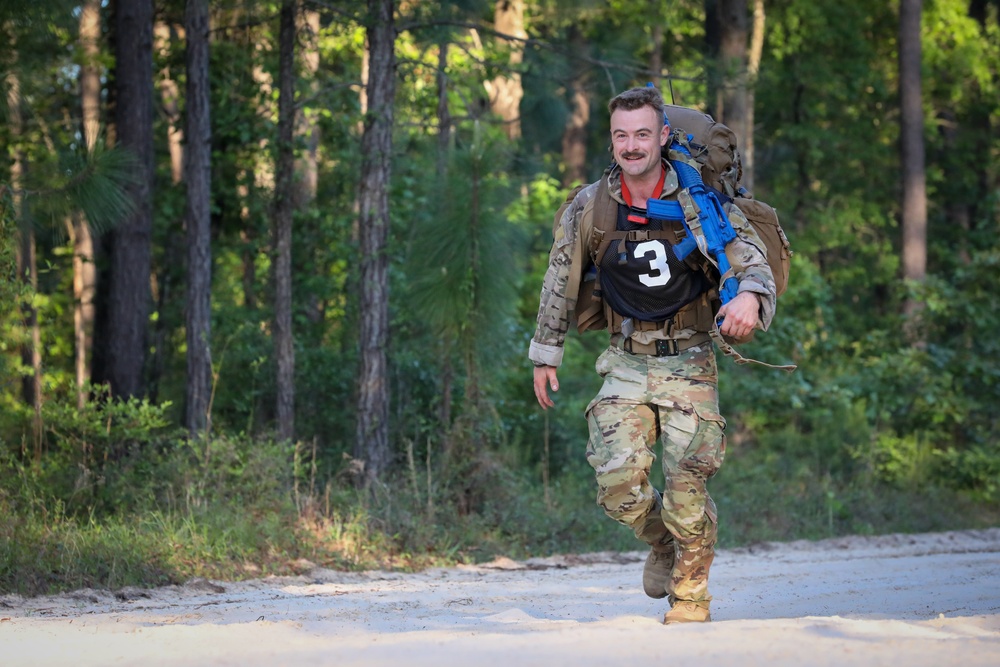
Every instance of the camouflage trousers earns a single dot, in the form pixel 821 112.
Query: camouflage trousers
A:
pixel 673 400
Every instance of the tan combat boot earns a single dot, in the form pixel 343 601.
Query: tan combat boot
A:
pixel 686 611
pixel 656 572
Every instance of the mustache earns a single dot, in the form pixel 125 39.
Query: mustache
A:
pixel 633 155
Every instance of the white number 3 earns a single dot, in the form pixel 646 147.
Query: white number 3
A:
pixel 657 264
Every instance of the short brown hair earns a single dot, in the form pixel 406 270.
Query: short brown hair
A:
pixel 637 98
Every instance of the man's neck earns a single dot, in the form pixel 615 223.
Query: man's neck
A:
pixel 641 189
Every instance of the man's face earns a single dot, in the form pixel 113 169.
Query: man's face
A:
pixel 636 138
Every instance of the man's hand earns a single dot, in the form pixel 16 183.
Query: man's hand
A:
pixel 741 316
pixel 545 377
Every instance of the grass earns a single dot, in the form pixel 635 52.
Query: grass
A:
pixel 240 514
pixel 764 495
pixel 39 557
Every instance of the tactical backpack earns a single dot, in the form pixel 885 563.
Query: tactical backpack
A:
pixel 721 169
pixel 713 145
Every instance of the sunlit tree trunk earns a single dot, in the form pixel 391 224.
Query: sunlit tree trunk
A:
pixel 747 148
pixel 128 289
pixel 84 271
pixel 506 91
pixel 306 167
pixel 170 97
pixel 912 155
pixel 366 61
pixel 372 441
pixel 198 179
pixel 284 203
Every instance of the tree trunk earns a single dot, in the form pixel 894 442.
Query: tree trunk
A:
pixel 747 149
pixel 198 178
pixel 656 58
pixel 726 29
pixel 443 112
pixel 27 269
pixel 307 167
pixel 914 204
pixel 308 133
pixel 169 281
pixel 128 291
pixel 372 443
pixel 84 286
pixel 574 140
pixel 443 150
pixel 31 353
pixel 506 92
pixel 284 198
pixel 170 95
pixel 84 272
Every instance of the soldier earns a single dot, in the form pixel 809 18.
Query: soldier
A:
pixel 660 376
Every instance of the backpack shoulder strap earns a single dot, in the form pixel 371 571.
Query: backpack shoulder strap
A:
pixel 557 219
pixel 605 225
pixel 605 215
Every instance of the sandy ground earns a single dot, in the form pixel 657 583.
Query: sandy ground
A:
pixel 897 600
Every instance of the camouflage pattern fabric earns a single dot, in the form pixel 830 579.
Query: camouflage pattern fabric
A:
pixel 561 285
pixel 569 255
pixel 673 400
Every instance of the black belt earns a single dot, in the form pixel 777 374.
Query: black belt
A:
pixel 669 347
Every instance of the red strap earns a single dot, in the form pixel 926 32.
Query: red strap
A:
pixel 634 214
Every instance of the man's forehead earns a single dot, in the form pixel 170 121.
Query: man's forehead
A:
pixel 644 118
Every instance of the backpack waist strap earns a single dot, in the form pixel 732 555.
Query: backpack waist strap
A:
pixel 669 347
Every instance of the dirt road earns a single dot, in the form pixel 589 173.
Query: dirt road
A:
pixel 898 600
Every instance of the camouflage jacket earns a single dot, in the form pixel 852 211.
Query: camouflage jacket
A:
pixel 569 257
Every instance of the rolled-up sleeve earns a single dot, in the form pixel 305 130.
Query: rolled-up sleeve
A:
pixel 560 286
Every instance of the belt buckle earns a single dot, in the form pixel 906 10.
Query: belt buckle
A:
pixel 666 348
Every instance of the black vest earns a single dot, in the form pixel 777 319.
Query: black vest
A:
pixel 644 280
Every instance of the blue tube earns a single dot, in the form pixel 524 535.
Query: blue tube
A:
pixel 715 225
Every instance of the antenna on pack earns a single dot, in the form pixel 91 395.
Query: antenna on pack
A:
pixel 666 120
pixel 670 87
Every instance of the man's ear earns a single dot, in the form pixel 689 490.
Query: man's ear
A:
pixel 665 142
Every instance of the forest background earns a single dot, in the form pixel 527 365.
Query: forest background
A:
pixel 270 270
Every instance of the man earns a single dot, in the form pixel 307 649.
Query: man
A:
pixel 660 377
